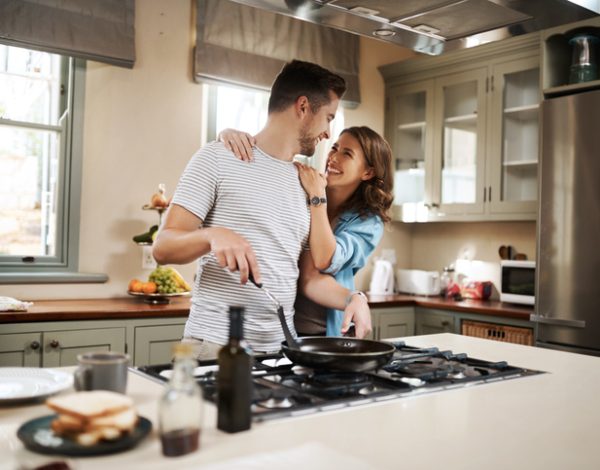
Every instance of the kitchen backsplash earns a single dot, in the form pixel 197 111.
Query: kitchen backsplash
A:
pixel 432 246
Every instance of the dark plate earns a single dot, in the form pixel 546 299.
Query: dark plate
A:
pixel 37 436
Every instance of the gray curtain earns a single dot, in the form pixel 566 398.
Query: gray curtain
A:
pixel 101 30
pixel 241 45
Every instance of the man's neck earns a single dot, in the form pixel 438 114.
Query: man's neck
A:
pixel 278 139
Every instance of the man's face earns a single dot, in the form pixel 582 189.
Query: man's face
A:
pixel 316 126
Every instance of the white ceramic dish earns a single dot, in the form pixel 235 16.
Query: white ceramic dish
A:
pixel 19 384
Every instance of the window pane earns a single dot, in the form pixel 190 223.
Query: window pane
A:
pixel 240 109
pixel 28 190
pixel 29 85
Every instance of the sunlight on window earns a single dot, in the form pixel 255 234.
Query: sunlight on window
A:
pixel 246 110
pixel 29 109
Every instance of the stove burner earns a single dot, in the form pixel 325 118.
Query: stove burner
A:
pixel 279 398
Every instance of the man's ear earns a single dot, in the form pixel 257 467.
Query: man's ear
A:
pixel 302 106
pixel 368 174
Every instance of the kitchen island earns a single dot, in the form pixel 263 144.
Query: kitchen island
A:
pixel 544 421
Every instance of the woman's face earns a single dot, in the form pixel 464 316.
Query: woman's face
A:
pixel 346 163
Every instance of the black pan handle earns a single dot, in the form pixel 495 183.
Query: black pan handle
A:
pixel 251 279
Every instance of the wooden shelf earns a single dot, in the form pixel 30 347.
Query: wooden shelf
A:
pixel 463 118
pixel 412 126
pixel 572 88
pixel 523 113
pixel 520 163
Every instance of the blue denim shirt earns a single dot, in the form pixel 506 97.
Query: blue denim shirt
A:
pixel 355 240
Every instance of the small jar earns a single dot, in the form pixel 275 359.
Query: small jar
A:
pixel 583 66
pixel 446 279
pixel 180 407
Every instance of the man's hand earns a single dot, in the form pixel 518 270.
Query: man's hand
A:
pixel 233 251
pixel 358 312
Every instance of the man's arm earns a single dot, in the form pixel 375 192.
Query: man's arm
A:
pixel 324 290
pixel 181 240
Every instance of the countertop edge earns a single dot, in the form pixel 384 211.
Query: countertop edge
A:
pixel 124 308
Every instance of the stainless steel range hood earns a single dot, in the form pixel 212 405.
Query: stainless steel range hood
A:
pixel 431 26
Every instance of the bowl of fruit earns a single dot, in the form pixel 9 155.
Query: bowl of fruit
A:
pixel 162 284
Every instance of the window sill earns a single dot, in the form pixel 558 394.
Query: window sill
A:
pixel 53 278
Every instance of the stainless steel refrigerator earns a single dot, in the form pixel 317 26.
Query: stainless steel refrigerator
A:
pixel 568 253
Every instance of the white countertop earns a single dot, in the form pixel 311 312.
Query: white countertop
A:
pixel 547 421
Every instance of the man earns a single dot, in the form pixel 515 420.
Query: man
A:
pixel 253 219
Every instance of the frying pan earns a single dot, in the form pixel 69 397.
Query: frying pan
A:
pixel 339 353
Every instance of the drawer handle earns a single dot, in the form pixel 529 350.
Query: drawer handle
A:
pixel 54 344
pixel 445 323
pixel 35 345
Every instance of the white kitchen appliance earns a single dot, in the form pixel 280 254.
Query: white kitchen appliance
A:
pixel 382 281
pixel 415 281
pixel 518 282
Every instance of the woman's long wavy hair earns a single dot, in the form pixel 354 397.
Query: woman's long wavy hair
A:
pixel 374 196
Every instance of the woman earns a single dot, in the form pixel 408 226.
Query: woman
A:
pixel 348 206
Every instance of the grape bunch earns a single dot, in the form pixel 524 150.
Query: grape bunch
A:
pixel 166 283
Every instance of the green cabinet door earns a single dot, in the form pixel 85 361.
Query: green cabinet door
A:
pixel 394 322
pixel 21 350
pixel 62 347
pixel 429 322
pixel 153 344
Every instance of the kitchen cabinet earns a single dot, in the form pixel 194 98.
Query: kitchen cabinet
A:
pixel 55 344
pixel 393 322
pixel 21 350
pixel 464 131
pixel 430 321
pixel 153 344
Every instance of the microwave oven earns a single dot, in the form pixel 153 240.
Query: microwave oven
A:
pixel 517 282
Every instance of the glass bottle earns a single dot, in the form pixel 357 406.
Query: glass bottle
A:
pixel 446 279
pixel 181 405
pixel 234 379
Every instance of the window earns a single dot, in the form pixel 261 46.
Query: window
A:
pixel 246 109
pixel 40 164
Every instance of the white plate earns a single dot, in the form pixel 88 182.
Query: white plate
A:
pixel 29 383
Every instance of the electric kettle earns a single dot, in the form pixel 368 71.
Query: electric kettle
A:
pixel 382 281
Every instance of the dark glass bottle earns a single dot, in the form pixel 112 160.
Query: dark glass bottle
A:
pixel 235 378
pixel 180 407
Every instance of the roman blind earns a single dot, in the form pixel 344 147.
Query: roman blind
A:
pixel 241 45
pixel 89 29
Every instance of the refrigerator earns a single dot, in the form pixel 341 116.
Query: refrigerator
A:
pixel 567 309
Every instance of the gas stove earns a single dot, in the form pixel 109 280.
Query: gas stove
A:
pixel 283 389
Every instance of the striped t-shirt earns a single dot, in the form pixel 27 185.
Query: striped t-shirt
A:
pixel 264 202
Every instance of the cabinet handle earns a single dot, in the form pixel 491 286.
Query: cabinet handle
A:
pixel 484 194
pixel 433 205
pixel 54 344
pixel 35 345
pixel 445 323
pixel 490 194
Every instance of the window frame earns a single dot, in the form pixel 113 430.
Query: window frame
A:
pixel 63 266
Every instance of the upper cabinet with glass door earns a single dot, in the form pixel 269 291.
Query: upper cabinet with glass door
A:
pixel 463 128
pixel 459 149
pixel 410 136
pixel 513 151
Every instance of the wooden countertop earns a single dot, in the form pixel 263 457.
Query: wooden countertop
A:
pixel 126 307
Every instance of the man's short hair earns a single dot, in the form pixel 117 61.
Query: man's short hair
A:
pixel 298 78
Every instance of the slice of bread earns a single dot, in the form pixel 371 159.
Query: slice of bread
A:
pixel 123 421
pixel 88 405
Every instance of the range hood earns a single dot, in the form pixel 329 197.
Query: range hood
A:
pixel 431 26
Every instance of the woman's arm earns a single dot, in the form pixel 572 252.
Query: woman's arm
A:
pixel 321 238
pixel 324 290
